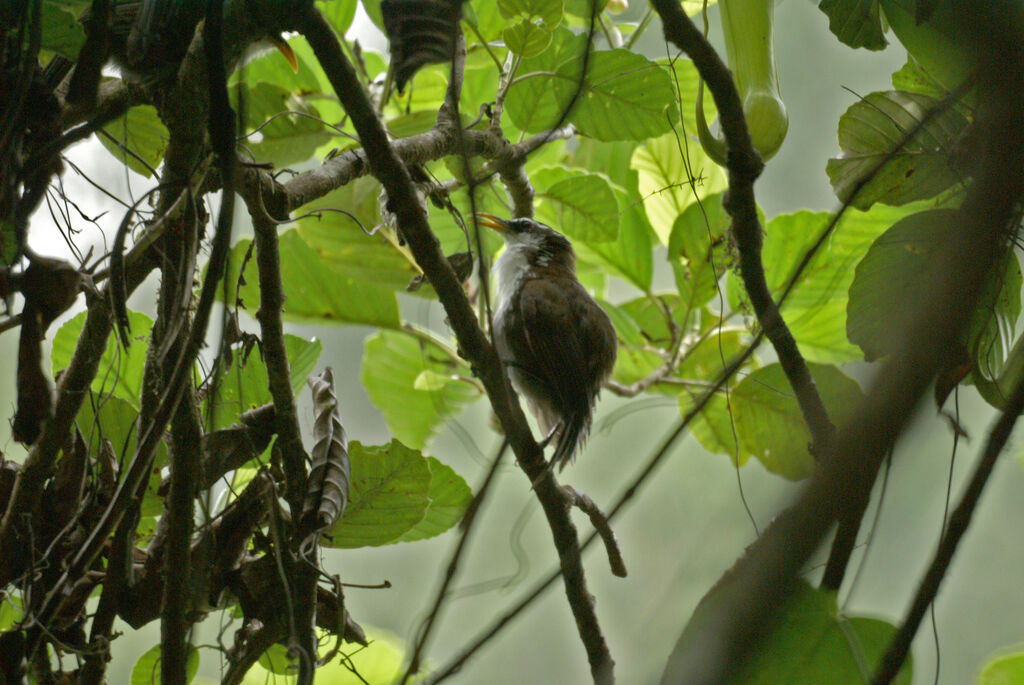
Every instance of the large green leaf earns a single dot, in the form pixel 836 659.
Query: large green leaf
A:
pixel 868 133
pixel 912 78
pixel 531 103
pixel 526 38
pixel 389 495
pixel 339 13
pixel 146 670
pixel 1005 669
pixel 811 642
pixel 855 22
pixel 549 12
pixel 244 385
pixel 993 323
pixel 449 497
pixel 344 245
pixel 289 127
pixel 625 96
pixel 379 662
pixel 137 139
pixel 392 364
pixel 120 369
pixel 697 250
pixel 315 291
pixel 816 308
pixel 895 280
pixel 940 44
pixel 61 31
pixel 115 420
pixel 767 420
pixel 630 254
pixel 673 174
pixel 684 82
pixel 579 204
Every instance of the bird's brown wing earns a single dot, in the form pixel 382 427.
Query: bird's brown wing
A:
pixel 553 353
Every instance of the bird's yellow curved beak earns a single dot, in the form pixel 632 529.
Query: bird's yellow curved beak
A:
pixel 491 221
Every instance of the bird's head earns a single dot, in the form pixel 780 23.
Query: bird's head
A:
pixel 540 244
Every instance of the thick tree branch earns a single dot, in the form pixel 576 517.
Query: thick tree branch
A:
pixel 744 166
pixel 387 166
pixel 727 625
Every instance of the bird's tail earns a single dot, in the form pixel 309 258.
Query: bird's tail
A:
pixel 572 434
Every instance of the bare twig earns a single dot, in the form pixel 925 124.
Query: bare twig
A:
pixel 466 527
pixel 387 166
pixel 627 495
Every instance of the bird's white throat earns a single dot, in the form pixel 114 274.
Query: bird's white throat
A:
pixel 513 264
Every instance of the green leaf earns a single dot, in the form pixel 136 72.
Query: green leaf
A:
pixel 665 179
pixel 893 281
pixel 810 642
pixel 651 313
pixel 244 385
pixel 868 132
pixel 816 308
pixel 344 246
pixel 767 420
pixel 339 13
pixel 630 254
pixel 146 670
pixel 449 497
pixel 485 16
pixel 61 31
pixel 113 419
pixel 697 250
pixel 388 496
pixel 583 8
pixel 855 22
pixel 578 204
pixel 531 103
pixel 137 139
pixel 684 82
pixel 526 38
pixel 1005 669
pixel 992 325
pixel 625 96
pixel 316 291
pixel 392 363
pixel 120 369
pixel 912 78
pixel 549 12
pixel 939 44
pixel 11 611
pixel 288 125
pixel 379 662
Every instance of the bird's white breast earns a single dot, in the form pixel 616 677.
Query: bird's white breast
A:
pixel 510 269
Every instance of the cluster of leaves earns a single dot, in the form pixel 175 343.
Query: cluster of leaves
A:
pixel 632 186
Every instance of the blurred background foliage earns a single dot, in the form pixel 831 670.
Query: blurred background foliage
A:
pixel 696 515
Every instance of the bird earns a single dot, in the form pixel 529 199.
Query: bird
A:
pixel 556 342
pixel 150 37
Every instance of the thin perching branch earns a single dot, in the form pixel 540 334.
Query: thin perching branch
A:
pixel 412 221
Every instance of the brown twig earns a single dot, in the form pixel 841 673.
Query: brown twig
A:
pixel 627 495
pixel 386 165
pixel 466 527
